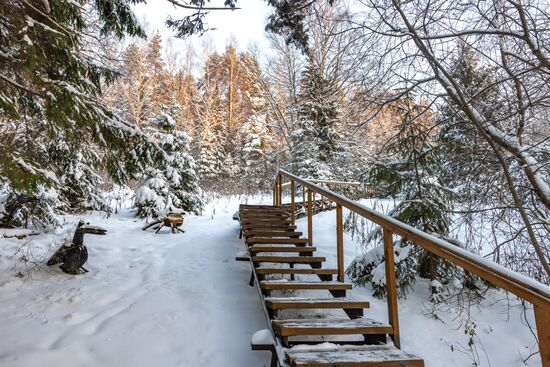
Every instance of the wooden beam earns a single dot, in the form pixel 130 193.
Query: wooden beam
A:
pixel 340 242
pixel 292 194
pixel 542 318
pixel 309 219
pixel 391 286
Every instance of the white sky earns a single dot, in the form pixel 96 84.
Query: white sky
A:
pixel 245 25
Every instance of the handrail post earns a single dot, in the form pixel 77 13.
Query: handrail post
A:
pixel 340 242
pixel 303 198
pixel 292 194
pixel 280 183
pixel 391 287
pixel 274 193
pixel 542 319
pixel 309 218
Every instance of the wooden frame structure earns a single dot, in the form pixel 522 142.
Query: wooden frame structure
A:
pixel 523 287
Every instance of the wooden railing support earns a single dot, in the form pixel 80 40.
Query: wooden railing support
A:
pixel 340 242
pixel 280 192
pixel 309 218
pixel 393 316
pixel 304 199
pixel 292 194
pixel 542 319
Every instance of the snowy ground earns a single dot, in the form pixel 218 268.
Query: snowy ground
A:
pixel 182 300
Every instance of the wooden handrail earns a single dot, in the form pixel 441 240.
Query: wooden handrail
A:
pixel 518 284
pixel 522 286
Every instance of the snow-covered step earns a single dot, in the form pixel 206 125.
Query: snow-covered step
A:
pixel 289 241
pixel 270 234
pixel 260 221
pixel 260 206
pixel 330 326
pixel 281 248
pixel 245 217
pixel 269 227
pixel 267 270
pixel 295 303
pixel 352 355
pixel 303 285
pixel 314 261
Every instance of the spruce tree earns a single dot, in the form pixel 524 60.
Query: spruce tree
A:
pixel 171 185
pixel 469 161
pixel 409 169
pixel 315 142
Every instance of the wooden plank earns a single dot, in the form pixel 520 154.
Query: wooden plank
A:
pixel 332 326
pixel 286 303
pixel 352 356
pixel 391 287
pixel 288 241
pixel 265 248
pixel 289 259
pixel 258 233
pixel 542 318
pixel 281 285
pixel 309 218
pixel 270 227
pixel 340 242
pixel 265 270
pixel 292 206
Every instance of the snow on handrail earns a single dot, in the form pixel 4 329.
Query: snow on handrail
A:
pixel 514 282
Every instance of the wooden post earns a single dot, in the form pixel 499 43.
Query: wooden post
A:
pixel 309 218
pixel 274 195
pixel 280 183
pixel 393 317
pixel 303 199
pixel 340 242
pixel 292 194
pixel 542 319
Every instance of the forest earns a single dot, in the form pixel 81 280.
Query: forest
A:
pixel 441 107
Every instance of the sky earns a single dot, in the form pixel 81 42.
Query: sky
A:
pixel 246 25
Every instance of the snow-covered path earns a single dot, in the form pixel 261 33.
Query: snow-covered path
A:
pixel 149 300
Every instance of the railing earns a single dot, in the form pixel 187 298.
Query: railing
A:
pixel 525 288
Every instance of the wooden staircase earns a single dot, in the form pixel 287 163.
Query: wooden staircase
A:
pixel 277 252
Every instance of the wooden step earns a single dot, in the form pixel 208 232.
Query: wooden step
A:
pixel 260 206
pixel 331 326
pixel 289 259
pixel 303 285
pixel 256 221
pixel 271 234
pixel 271 218
pixel 277 241
pixel 266 270
pixel 269 227
pixel 352 356
pixel 268 248
pixel 295 303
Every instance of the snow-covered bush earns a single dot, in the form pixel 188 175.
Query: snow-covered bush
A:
pixel 20 209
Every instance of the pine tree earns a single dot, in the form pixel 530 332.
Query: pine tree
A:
pixel 49 80
pixel 315 142
pixel 256 165
pixel 172 183
pixel 409 170
pixel 79 187
pixel 464 149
